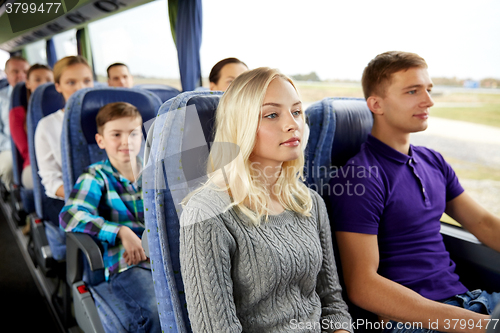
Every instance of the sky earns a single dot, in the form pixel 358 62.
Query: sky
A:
pixel 335 39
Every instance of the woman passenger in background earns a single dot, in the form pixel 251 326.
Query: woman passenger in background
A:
pixel 70 75
pixel 256 249
pixel 224 72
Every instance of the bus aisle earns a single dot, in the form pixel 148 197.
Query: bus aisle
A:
pixel 24 307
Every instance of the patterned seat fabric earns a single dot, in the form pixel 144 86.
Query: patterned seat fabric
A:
pixel 182 129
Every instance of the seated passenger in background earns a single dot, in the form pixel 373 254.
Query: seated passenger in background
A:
pixel 394 260
pixel 70 75
pixel 119 76
pixel 37 75
pixel 15 68
pixel 106 203
pixel 256 250
pixel 224 72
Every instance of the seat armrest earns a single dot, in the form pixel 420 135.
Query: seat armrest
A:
pixel 76 245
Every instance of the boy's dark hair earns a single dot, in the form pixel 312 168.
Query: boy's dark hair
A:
pixel 378 72
pixel 215 72
pixel 36 67
pixel 114 111
pixel 115 65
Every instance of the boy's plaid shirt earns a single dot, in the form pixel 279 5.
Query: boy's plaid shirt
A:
pixel 102 201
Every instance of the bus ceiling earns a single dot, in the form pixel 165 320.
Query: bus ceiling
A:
pixel 25 22
pixel 22 23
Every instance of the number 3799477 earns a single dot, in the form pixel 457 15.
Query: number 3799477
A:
pixel 25 7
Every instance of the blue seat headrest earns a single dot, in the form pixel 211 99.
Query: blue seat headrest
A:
pixel 338 127
pixel 46 100
pixel 92 99
pixel 164 92
pixel 78 137
pixel 19 96
pixel 354 123
pixel 206 106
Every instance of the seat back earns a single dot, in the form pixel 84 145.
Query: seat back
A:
pixel 183 127
pixel 44 101
pixel 338 128
pixel 79 148
pixel 163 91
pixel 17 98
pixel 3 83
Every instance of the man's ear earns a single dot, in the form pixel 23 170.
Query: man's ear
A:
pixel 212 86
pixel 374 103
pixel 100 140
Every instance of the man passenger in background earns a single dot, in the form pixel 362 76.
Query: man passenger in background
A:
pixel 119 76
pixel 394 260
pixel 16 69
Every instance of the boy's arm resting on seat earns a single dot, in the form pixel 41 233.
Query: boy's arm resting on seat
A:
pixel 476 219
pixel 80 214
pixel 388 299
pixel 134 252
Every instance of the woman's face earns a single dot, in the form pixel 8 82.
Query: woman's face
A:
pixel 39 77
pixel 74 78
pixel 227 75
pixel 281 126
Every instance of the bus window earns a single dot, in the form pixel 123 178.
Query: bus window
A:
pixel 65 44
pixel 139 38
pixel 3 58
pixel 36 53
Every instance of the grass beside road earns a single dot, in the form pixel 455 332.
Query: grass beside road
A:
pixel 470 106
pixel 479 113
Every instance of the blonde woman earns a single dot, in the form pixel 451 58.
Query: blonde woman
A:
pixel 256 250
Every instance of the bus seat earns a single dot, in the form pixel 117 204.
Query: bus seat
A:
pixel 79 150
pixel 161 114
pixel 46 238
pixel 161 198
pixel 3 83
pixel 22 198
pixel 324 118
pixel 338 127
pixel 163 91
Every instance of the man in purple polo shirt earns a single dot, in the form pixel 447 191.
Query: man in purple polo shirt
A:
pixel 387 226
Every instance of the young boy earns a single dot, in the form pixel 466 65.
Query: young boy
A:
pixel 106 203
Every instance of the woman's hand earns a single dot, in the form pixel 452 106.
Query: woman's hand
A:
pixel 134 253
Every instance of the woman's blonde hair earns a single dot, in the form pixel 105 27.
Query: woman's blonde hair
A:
pixel 66 62
pixel 237 122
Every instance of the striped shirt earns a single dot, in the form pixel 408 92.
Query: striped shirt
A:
pixel 102 201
